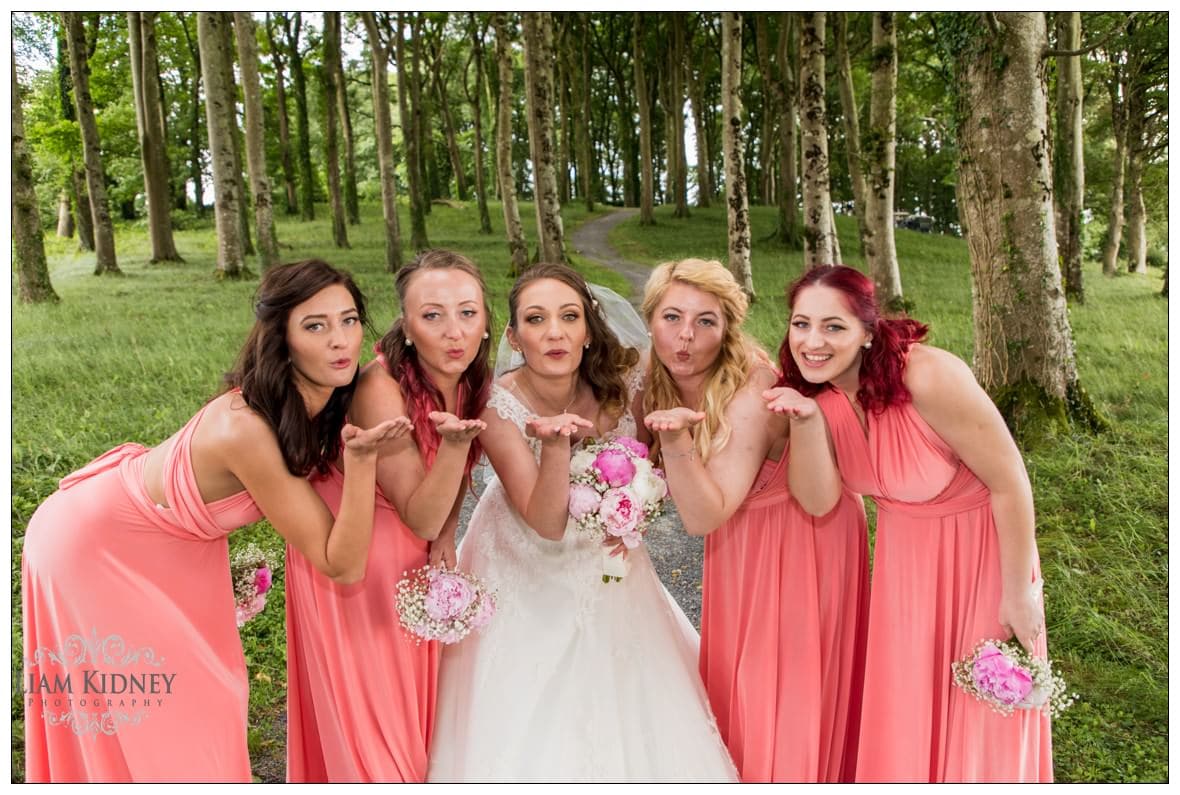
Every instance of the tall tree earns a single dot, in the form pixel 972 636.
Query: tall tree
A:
pixel 331 112
pixel 418 239
pixel 538 81
pixel 439 80
pixel 732 149
pixel 218 107
pixel 352 203
pixel 423 141
pixel 677 160
pixel 141 30
pixel 1068 163
pixel 104 231
pixel 647 175
pixel 1116 86
pixel 585 143
pixel 695 78
pixel 379 56
pixel 230 86
pixel 1024 351
pixel 302 125
pixel 476 30
pixel 817 197
pixel 517 248
pixel 196 172
pixel 28 242
pixel 268 247
pixel 851 118
pixel 76 179
pixel 277 54
pixel 881 160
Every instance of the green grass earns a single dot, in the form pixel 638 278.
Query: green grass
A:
pixel 131 359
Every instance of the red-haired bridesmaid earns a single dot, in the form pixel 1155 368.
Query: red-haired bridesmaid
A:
pixel 956 557
pixel 785 598
pixel 360 691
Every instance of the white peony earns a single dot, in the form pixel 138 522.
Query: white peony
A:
pixel 649 487
pixel 581 463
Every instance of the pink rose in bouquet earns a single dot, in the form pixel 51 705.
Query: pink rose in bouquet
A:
pixel 1000 677
pixel 584 500
pixel 621 514
pixel 447 596
pixel 263 580
pixel 615 467
pixel 636 447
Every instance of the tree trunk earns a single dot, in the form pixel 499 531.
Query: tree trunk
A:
pixel 228 49
pixel 788 232
pixel 196 174
pixel 284 120
pixel 738 212
pixel 218 107
pixel 418 239
pixel 383 124
pixel 563 131
pixel 444 106
pixel 104 231
pixel 352 203
pixel 146 98
pixel 85 215
pixel 1114 219
pixel 647 176
pixel 329 72
pixel 538 81
pixel 475 98
pixel 677 160
pixel 421 129
pixel 268 247
pixel 65 213
pixel 517 248
pixel 881 155
pixel 306 179
pixel 817 197
pixel 696 96
pixel 28 242
pixel 1068 163
pixel 851 120
pixel 586 167
pixel 1136 248
pixel 1024 351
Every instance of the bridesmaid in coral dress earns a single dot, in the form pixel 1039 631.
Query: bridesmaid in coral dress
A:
pixel 360 691
pixel 785 599
pixel 133 666
pixel 956 556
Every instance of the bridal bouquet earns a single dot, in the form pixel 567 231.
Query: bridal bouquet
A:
pixel 437 604
pixel 615 492
pixel 1006 677
pixel 250 570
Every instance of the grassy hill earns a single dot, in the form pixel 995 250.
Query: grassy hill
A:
pixel 131 358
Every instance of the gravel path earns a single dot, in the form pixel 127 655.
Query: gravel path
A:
pixel 677 556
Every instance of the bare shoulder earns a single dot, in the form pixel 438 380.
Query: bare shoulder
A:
pixel 762 377
pixel 377 389
pixel 233 426
pixel 931 372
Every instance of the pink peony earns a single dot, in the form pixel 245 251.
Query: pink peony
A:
pixel 620 512
pixel 615 467
pixel 637 448
pixel 998 676
pixel 447 596
pixel 244 611
pixel 262 580
pixel 583 500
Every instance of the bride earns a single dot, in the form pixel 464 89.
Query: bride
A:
pixel 574 679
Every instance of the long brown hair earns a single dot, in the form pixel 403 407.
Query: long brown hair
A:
pixel 606 362
pixel 421 394
pixel 264 373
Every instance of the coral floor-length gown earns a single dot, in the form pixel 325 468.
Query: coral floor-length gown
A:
pixel 783 619
pixel 935 594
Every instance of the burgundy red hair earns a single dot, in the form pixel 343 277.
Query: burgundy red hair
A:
pixel 881 365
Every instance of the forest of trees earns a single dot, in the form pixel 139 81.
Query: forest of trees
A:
pixel 1039 137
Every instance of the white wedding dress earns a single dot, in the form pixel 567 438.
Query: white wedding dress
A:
pixel 574 680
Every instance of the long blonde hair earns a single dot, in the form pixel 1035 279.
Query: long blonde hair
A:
pixel 738 357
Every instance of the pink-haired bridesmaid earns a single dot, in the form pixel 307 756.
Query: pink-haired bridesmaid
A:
pixel 133 665
pixel 785 595
pixel 956 556
pixel 360 691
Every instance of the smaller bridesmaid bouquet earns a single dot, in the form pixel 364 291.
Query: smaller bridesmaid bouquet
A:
pixel 615 493
pixel 437 604
pixel 1006 677
pixel 251 570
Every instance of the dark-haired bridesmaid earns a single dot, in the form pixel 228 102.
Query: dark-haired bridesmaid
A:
pixel 955 561
pixel 360 691
pixel 133 663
